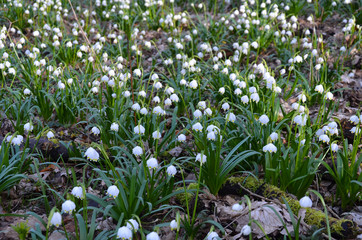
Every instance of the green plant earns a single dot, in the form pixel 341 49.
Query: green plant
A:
pixel 22 229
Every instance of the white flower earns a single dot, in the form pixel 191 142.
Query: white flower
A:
pixel 302 142
pixel 255 97
pixel 156 134
pixel 28 127
pixel 78 192
pixel 252 89
pixel 27 91
pixel 222 90
pixel 113 191
pixel 158 85
pixel 173 225
pixel 61 85
pixel 197 114
pixel 193 84
pixel 225 106
pixel 274 136
pixel 171 170
pixel 264 119
pixel 139 129
pixel 324 138
pixel 334 147
pixel 137 151
pixel 95 130
pixel 197 127
pixel 354 119
pixel 68 206
pixel 302 97
pixel 50 134
pixel 174 98
pixel 132 225
pixel 354 130
pixel 92 154
pixel 270 148
pixel 329 96
pixel 208 112
pixel 202 105
pixel 158 110
pixel 15 140
pixel 136 107
pixel 237 207
pixel 152 163
pixel 300 119
pixel 201 157
pixel 143 111
pixel 212 236
pixel 56 219
pixel 181 138
pixel 124 233
pixel 153 236
pixel 245 99
pixel 246 230
pixel 305 202
pixel 231 117
pixel 211 136
pixel 114 127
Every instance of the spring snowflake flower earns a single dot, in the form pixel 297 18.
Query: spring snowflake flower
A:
pixel 113 191
pixel 68 206
pixel 334 147
pixel 201 105
pixel 27 91
pixel 139 129
pixel 354 119
pixel 158 110
pixel 329 96
pixel 174 98
pixel 171 170
pixel 95 130
pixel 61 85
pixel 212 236
pixel 255 97
pixel 56 219
pixel 211 136
pixel 137 151
pixel 201 157
pixel 274 136
pixel 264 119
pixel 324 138
pixel 222 90
pixel 302 97
pixel 15 140
pixel 193 84
pixel 132 225
pixel 152 163
pixel 237 207
pixel 208 112
pixel 354 130
pixel 252 89
pixel 50 134
pixel 245 99
pixel 230 117
pixel 197 114
pixel 197 127
pixel 124 233
pixel 246 230
pixel 156 134
pixel 143 111
pixel 270 148
pixel 300 120
pixel 78 192
pixel 114 127
pixel 225 106
pixel 181 138
pixel 305 202
pixel 91 154
pixel 173 225
pixel 156 99
pixel 153 236
pixel 28 127
pixel 136 107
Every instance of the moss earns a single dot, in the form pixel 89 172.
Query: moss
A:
pixel 339 227
pixel 182 196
